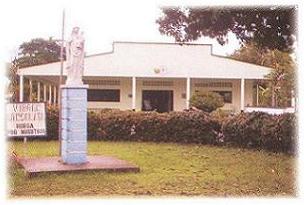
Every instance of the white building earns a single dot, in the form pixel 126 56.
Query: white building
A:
pixel 161 76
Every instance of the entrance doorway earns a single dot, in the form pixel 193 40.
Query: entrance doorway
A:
pixel 157 100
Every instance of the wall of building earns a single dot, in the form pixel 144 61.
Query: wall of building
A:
pixel 177 85
pixel 125 89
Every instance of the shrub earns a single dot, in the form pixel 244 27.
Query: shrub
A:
pixel 220 115
pixel 193 127
pixel 52 115
pixel 262 131
pixel 279 134
pixel 150 126
pixel 247 130
pixel 207 101
pixel 185 127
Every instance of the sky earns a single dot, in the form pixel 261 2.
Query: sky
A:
pixel 102 22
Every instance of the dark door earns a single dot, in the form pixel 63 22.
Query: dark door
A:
pixel 157 100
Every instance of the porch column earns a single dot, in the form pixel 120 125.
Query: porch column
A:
pixel 133 93
pixel 50 94
pixel 55 92
pixel 242 94
pixel 44 92
pixel 188 93
pixel 257 94
pixel 38 91
pixel 31 91
pixel 293 99
pixel 21 88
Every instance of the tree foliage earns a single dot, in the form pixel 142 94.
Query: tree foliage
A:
pixel 35 52
pixel 269 27
pixel 38 51
pixel 282 78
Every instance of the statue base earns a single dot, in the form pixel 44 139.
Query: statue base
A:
pixel 74 124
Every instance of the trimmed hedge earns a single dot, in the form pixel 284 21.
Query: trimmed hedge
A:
pixel 247 130
pixel 185 127
pixel 52 116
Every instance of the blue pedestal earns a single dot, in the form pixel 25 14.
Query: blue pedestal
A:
pixel 74 124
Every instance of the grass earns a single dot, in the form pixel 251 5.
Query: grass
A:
pixel 167 169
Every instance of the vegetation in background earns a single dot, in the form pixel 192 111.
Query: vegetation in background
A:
pixel 38 51
pixel 35 52
pixel 267 35
pixel 206 101
pixel 271 27
pixel 282 80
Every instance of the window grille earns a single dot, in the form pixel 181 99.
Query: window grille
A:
pixel 157 83
pixel 214 84
pixel 102 82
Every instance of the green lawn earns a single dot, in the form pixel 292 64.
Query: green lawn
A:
pixel 167 169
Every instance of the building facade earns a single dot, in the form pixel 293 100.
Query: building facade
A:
pixel 154 76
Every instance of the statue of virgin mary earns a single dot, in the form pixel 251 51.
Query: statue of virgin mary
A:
pixel 75 58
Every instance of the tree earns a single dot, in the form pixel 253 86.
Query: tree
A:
pixel 282 78
pixel 38 51
pixel 35 52
pixel 207 101
pixel 269 27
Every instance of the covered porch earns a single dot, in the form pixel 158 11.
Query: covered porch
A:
pixel 162 94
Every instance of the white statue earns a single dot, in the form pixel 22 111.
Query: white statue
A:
pixel 75 58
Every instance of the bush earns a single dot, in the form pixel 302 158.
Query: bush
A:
pixel 193 127
pixel 262 131
pixel 279 134
pixel 247 130
pixel 185 127
pixel 52 116
pixel 207 101
pixel 220 115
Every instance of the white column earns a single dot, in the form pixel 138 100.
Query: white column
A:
pixel 188 93
pixel 44 92
pixel 133 93
pixel 55 92
pixel 21 88
pixel 257 94
pixel 293 99
pixel 31 91
pixel 242 94
pixel 38 91
pixel 50 94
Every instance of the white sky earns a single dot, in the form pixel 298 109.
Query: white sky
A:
pixel 101 22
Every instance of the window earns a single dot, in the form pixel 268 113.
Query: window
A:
pixel 104 95
pixel 227 95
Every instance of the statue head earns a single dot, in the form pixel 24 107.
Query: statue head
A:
pixel 75 30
